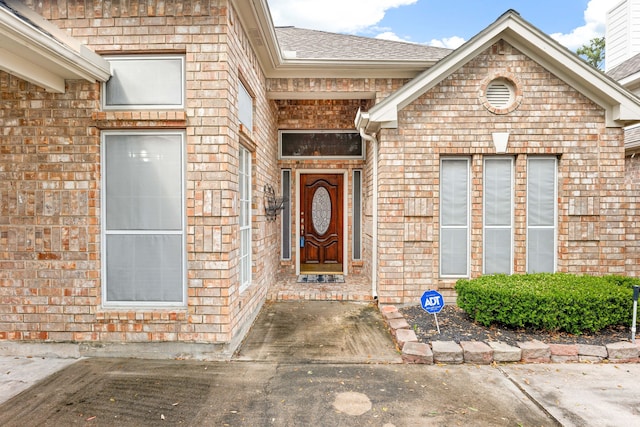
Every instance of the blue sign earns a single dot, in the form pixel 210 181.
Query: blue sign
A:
pixel 432 301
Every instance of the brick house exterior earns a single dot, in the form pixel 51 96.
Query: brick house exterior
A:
pixel 418 118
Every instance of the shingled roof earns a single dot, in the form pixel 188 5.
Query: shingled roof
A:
pixel 313 44
pixel 625 69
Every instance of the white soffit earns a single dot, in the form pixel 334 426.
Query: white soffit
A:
pixel 37 51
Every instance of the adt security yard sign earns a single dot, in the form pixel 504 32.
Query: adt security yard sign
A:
pixel 432 302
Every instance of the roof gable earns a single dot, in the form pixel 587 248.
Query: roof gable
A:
pixel 622 108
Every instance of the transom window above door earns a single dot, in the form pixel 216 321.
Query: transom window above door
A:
pixel 332 144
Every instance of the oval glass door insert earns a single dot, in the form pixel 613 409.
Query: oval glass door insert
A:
pixel 321 210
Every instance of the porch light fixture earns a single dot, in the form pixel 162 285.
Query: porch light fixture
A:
pixel 272 204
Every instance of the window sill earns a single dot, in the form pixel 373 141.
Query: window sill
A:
pixel 140 119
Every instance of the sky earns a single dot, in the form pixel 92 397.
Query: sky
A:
pixel 443 23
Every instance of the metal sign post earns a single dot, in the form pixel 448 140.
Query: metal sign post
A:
pixel 636 291
pixel 432 302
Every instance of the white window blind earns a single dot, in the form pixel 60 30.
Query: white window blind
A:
pixel 498 215
pixel 143 227
pixel 145 82
pixel 541 214
pixel 245 107
pixel 454 217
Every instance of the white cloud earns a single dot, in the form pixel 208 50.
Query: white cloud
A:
pixel 448 42
pixel 390 35
pixel 595 17
pixel 354 15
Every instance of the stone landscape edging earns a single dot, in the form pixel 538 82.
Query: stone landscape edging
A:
pixel 481 353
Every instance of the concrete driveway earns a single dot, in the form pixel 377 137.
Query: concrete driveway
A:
pixel 308 363
pixel 130 392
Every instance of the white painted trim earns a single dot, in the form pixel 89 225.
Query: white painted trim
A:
pixel 362 118
pixel 141 305
pixel 345 213
pixel 46 49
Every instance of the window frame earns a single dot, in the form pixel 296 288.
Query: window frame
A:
pixel 150 57
pixel 286 223
pixel 245 183
pixel 104 231
pixel 554 227
pixel 356 203
pixel 467 273
pixel 485 227
pixel 244 94
pixel 320 157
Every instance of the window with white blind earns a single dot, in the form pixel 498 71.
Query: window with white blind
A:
pixel 498 215
pixel 454 217
pixel 143 227
pixel 357 215
pixel 245 178
pixel 541 214
pixel 145 82
pixel 285 252
pixel 245 107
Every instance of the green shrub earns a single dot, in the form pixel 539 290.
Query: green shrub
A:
pixel 551 302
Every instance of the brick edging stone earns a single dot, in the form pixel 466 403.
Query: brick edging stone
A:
pixel 479 352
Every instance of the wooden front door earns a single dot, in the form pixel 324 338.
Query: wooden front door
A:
pixel 321 223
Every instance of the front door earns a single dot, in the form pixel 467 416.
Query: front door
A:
pixel 321 223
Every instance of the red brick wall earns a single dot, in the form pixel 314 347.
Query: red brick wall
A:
pixel 49 211
pixel 50 182
pixel 450 119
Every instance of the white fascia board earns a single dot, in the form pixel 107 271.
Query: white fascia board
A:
pixel 19 67
pixel 321 95
pixel 387 110
pixel 630 81
pixel 301 68
pixel 621 106
pixel 51 53
pixel 256 20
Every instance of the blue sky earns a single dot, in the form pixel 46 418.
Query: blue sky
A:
pixel 446 23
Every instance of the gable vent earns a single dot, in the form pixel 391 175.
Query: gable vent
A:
pixel 499 94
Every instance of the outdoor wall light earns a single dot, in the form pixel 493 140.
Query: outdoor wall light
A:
pixel 272 204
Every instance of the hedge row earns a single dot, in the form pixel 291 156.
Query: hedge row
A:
pixel 551 302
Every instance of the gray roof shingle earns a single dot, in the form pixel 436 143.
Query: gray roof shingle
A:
pixel 627 68
pixel 314 44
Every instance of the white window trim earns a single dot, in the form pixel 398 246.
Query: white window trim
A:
pixel 127 107
pixel 243 92
pixel 245 282
pixel 468 226
pixel 359 224
pixel 104 232
pixel 555 216
pixel 484 216
pixel 286 218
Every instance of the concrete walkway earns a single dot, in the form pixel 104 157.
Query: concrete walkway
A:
pixel 319 332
